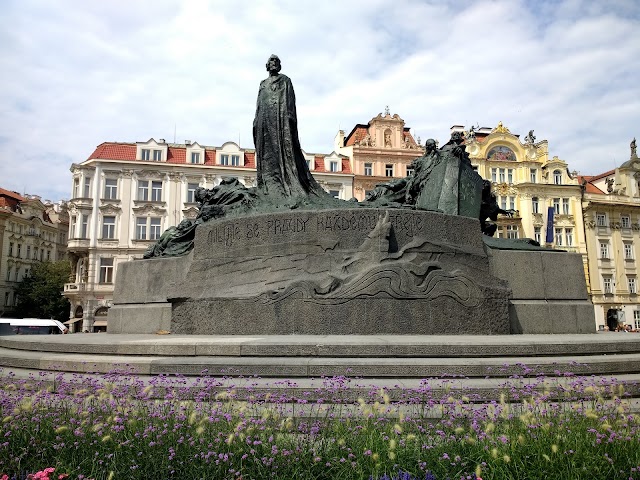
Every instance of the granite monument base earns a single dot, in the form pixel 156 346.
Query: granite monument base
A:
pixel 352 271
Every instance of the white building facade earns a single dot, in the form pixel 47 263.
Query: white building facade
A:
pixel 126 194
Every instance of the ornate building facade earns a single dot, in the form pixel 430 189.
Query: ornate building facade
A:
pixel 545 196
pixel 30 231
pixel 126 194
pixel 378 151
pixel 611 206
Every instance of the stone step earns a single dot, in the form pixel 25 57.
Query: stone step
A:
pixel 332 346
pixel 315 367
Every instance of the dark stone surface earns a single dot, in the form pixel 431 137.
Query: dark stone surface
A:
pixel 341 272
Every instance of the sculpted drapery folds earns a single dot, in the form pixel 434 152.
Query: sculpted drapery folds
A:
pixel 281 167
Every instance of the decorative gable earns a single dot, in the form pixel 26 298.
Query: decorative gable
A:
pixel 151 151
pixel 195 153
pixel 333 163
pixel 230 155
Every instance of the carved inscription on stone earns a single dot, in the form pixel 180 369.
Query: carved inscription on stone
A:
pixel 249 230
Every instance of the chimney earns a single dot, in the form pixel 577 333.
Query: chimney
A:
pixel 187 142
pixel 162 140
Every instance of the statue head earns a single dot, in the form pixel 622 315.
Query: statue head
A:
pixel 184 224
pixel 273 64
pixel 456 137
pixel 430 145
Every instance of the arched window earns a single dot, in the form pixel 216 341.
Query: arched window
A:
pixel 79 312
pixel 101 312
pixel 501 153
pixel 557 177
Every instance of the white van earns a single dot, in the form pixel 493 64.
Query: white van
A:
pixel 31 326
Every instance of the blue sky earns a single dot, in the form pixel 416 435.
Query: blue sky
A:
pixel 76 74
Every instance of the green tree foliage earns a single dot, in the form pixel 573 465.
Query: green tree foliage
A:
pixel 40 292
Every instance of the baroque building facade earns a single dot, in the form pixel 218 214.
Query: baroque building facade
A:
pixel 378 151
pixel 30 231
pixel 611 208
pixel 544 196
pixel 126 194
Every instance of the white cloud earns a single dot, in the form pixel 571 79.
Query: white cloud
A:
pixel 84 73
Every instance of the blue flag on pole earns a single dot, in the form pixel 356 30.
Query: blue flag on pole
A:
pixel 550 213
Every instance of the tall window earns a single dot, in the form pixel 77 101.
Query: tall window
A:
pixel 601 220
pixel 512 231
pixel 535 206
pixel 568 235
pixel 28 252
pixel 556 206
pixel 388 170
pixel 195 157
pixel 143 190
pixel 558 232
pixel 625 221
pixel 368 169
pixel 109 227
pixel 512 202
pixel 510 175
pixel 110 188
pixel 145 153
pixel 157 155
pixel 565 206
pixel 11 249
pixel 628 251
pixel 72 226
pixel 410 171
pixel 224 160
pixel 106 270
pixel 537 234
pixel 533 175
pixel 6 299
pixel 155 228
pixel 631 283
pixel 333 166
pixel 235 160
pixel 191 192
pixel 636 319
pixel 156 191
pixel 494 175
pixel 607 285
pixel 76 188
pixel 501 175
pixel 9 273
pixel 19 251
pixel 87 187
pixel 604 250
pixel 141 228
pixel 557 177
pixel 503 202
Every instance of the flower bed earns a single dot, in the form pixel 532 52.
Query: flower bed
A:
pixel 119 426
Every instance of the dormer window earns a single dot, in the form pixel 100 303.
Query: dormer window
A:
pixel 230 155
pixel 151 151
pixel 557 177
pixel 195 157
pixel 333 163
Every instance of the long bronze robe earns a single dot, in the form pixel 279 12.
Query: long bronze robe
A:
pixel 281 168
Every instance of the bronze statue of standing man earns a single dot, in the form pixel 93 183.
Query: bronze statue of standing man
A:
pixel 281 167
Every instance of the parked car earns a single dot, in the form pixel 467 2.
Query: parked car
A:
pixel 31 326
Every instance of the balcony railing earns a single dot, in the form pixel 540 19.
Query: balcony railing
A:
pixel 74 287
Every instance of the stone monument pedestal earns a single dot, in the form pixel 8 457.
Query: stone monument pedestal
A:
pixel 349 271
